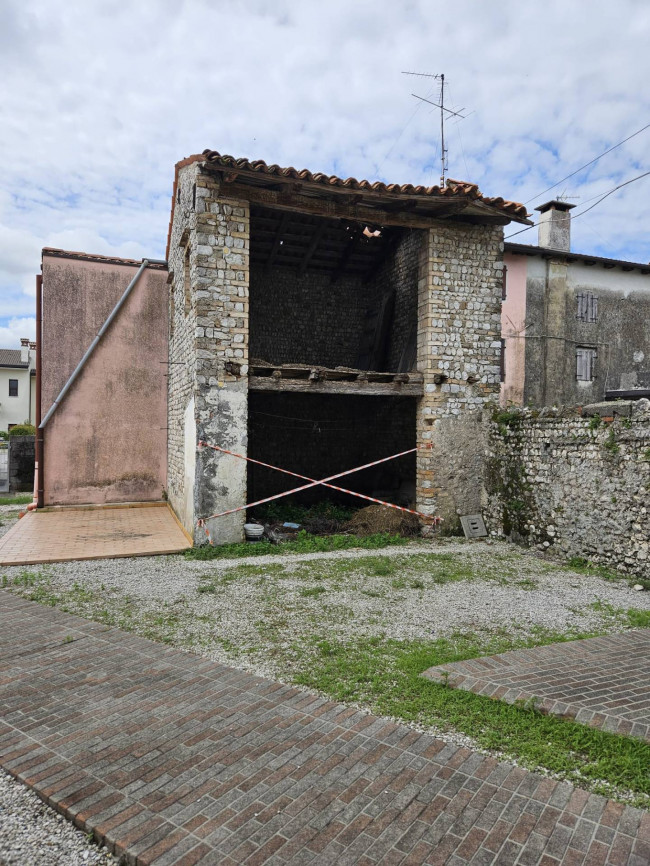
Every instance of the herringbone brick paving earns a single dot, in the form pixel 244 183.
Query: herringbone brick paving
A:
pixel 176 760
pixel 603 681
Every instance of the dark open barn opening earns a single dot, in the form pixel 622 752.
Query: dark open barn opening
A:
pixel 332 293
pixel 318 435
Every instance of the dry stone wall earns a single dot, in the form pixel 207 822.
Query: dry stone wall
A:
pixel 574 483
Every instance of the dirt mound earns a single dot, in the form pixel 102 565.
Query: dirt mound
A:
pixel 380 518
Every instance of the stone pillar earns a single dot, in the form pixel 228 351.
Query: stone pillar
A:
pixel 459 344
pixel 210 346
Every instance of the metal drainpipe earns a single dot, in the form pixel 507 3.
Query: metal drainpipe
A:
pixel 39 432
pixel 94 343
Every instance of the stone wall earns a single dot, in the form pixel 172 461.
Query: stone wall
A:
pixel 578 484
pixel 209 261
pixel 459 331
pixel 400 273
pixel 306 318
pixel 21 463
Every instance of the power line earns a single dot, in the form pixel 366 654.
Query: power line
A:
pixel 602 198
pixel 587 164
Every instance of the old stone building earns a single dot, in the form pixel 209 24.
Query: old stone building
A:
pixel 574 326
pixel 317 324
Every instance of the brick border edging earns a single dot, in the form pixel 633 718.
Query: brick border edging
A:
pixel 473 676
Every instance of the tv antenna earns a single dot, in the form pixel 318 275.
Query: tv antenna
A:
pixel 565 196
pixel 443 114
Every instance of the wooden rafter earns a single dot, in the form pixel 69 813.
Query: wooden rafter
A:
pixel 313 244
pixel 349 250
pixel 277 239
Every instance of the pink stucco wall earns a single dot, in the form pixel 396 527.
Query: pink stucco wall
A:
pixel 107 441
pixel 513 330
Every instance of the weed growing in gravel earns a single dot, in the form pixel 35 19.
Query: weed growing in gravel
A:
pixel 385 676
pixel 585 566
pixel 312 592
pixel 632 617
pixel 304 543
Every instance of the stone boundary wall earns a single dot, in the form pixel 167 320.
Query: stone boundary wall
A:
pixel 573 481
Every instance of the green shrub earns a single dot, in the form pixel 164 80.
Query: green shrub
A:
pixel 23 430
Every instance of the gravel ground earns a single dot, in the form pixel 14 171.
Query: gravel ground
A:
pixel 251 612
pixel 32 834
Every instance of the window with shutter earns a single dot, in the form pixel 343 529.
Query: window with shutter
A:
pixel 587 307
pixel 585 364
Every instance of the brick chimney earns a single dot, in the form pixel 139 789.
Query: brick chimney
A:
pixel 24 350
pixel 555 225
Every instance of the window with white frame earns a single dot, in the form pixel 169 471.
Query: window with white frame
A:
pixel 587 307
pixel 585 363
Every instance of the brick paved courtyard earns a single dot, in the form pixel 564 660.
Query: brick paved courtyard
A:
pixel 603 681
pixel 178 760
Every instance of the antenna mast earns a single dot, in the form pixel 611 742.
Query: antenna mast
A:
pixel 443 112
pixel 443 150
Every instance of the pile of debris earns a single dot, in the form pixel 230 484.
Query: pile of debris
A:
pixel 380 518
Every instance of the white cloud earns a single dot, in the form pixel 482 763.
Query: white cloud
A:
pixel 101 99
pixel 14 329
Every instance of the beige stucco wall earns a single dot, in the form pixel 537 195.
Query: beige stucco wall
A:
pixel 513 330
pixel 107 441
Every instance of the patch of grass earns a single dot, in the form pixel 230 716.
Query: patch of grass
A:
pixel 585 566
pixel 304 543
pixel 17 499
pixel 638 618
pixel 312 591
pixel 526 583
pixel 632 617
pixel 385 675
pixel 290 512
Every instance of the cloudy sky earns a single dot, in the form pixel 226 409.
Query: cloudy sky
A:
pixel 99 99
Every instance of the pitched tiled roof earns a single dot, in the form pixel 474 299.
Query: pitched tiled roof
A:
pixel 11 358
pixel 95 257
pixel 257 172
pixel 453 188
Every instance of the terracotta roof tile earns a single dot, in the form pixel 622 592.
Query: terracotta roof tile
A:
pixel 453 187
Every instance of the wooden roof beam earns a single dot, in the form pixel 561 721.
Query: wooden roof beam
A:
pixel 277 241
pixel 350 247
pixel 311 249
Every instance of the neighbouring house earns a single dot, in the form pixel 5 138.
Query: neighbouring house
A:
pixel 309 322
pixel 574 327
pixel 18 385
